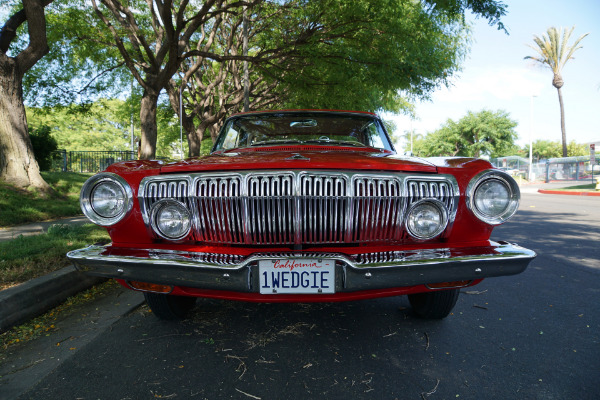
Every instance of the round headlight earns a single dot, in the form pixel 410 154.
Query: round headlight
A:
pixel 106 198
pixel 426 219
pixel 170 219
pixel 493 197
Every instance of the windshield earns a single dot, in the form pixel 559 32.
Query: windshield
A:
pixel 328 129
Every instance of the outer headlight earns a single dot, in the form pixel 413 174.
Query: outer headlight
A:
pixel 170 219
pixel 426 219
pixel 106 198
pixel 493 196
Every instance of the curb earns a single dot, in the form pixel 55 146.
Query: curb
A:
pixel 568 193
pixel 34 297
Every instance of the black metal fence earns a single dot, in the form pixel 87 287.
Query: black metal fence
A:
pixel 88 161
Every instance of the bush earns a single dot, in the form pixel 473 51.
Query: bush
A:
pixel 43 146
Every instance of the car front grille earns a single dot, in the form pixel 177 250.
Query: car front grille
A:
pixel 297 207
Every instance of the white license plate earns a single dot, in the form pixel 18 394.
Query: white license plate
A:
pixel 298 276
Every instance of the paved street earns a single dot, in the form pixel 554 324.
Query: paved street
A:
pixel 530 336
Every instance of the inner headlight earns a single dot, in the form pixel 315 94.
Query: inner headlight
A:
pixel 426 219
pixel 493 197
pixel 170 219
pixel 106 198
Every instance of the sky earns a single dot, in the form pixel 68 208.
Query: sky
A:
pixel 495 76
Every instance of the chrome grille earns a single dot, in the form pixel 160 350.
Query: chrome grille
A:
pixel 437 189
pixel 219 209
pixel 167 189
pixel 377 209
pixel 270 209
pixel 308 207
pixel 323 208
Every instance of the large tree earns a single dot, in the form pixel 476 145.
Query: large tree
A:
pixel 17 162
pixel 375 55
pixel 554 51
pixel 485 133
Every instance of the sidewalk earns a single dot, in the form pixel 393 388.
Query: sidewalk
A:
pixel 554 187
pixel 35 228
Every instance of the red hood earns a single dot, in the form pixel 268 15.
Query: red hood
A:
pixel 310 159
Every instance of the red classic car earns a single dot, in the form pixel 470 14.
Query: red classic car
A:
pixel 301 206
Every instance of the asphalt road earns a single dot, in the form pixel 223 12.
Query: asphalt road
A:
pixel 531 336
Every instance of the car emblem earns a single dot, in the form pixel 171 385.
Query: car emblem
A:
pixel 298 157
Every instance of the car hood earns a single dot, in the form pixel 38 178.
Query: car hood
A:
pixel 302 159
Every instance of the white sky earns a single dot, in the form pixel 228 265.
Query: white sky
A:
pixel 496 77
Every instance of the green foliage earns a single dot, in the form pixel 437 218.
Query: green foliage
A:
pixel 43 145
pixel 545 149
pixel 371 55
pixel 486 133
pixel 20 206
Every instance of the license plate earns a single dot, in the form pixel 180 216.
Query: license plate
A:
pixel 298 276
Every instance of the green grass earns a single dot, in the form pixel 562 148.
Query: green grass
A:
pixel 28 257
pixel 581 188
pixel 21 206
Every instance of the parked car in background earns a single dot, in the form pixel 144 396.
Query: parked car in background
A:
pixel 301 206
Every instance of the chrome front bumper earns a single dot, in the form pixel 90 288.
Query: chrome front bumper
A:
pixel 353 273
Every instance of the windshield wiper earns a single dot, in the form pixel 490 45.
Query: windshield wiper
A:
pixel 280 141
pixel 344 142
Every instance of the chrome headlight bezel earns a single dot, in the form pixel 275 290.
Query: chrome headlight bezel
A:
pixel 158 207
pixel 514 196
pixel 88 190
pixel 443 214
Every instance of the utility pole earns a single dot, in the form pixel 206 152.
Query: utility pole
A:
pixel 132 130
pixel 529 176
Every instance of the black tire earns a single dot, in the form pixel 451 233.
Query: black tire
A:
pixel 434 305
pixel 169 307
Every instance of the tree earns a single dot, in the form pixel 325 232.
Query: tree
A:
pixel 545 149
pixel 17 162
pixel 486 133
pixel 553 52
pixel 336 54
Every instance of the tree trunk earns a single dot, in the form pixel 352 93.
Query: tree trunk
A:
pixel 562 123
pixel 148 125
pixel 17 162
pixel 190 131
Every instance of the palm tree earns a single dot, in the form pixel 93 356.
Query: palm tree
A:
pixel 554 53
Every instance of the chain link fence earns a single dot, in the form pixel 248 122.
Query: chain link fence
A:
pixel 553 169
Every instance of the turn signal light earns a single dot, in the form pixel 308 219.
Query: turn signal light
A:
pixel 150 287
pixel 448 285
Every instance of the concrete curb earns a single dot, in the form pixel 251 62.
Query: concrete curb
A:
pixel 32 298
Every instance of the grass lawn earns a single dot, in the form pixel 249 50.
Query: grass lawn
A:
pixel 28 257
pixel 21 206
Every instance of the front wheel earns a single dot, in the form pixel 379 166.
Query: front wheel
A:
pixel 169 307
pixel 434 305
